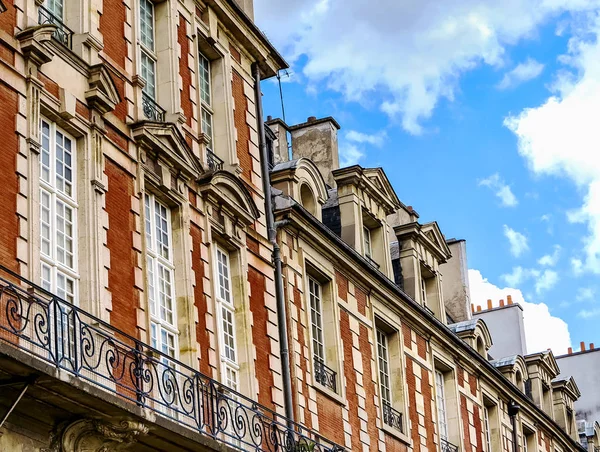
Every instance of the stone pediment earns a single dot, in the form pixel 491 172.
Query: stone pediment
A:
pixel 103 94
pixel 226 190
pixel 434 234
pixel 167 143
pixel 373 181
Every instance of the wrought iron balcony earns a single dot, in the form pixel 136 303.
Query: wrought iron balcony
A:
pixel 152 110
pixel 62 34
pixel 446 446
pixel 69 338
pixel 214 162
pixel 325 375
pixel 392 417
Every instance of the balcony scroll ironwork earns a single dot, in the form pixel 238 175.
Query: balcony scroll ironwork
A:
pixel 392 417
pixel 446 446
pixel 62 34
pixel 66 336
pixel 325 375
pixel 214 163
pixel 152 110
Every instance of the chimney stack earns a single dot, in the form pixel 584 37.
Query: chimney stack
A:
pixel 317 140
pixel 570 350
pixel 591 346
pixel 582 346
pixel 489 304
pixel 501 303
pixel 280 144
pixel 509 299
pixel 478 308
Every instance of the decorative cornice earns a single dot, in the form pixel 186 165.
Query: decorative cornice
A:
pixel 32 41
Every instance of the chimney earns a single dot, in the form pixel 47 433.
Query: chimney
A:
pixel 317 140
pixel 501 303
pixel 591 346
pixel 582 346
pixel 280 144
pixel 472 307
pixel 570 350
pixel 489 304
pixel 478 308
pixel 509 299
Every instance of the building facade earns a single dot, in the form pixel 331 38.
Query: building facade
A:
pixel 172 279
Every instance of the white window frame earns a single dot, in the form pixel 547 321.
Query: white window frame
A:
pixel 147 51
pixel 368 244
pixel 440 396
pixel 423 290
pixel 488 433
pixel 162 301
pixel 230 367
pixel 383 365
pixel 206 111
pixel 315 294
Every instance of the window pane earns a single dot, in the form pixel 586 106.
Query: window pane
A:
pixel 64 234
pixel 45 223
pixel 63 165
pixel 384 372
pixel 45 152
pixel 148 74
pixel 204 70
pixel 147 24
pixel 228 334
pixel 207 125
pixel 148 215
pixel 441 404
pixel 165 294
pixel 316 318
pixel 224 289
pixel 55 7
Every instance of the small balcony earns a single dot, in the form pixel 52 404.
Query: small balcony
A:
pixel 325 375
pixel 62 34
pixel 49 335
pixel 214 163
pixel 446 446
pixel 392 417
pixel 152 110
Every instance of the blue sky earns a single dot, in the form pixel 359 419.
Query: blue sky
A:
pixel 484 117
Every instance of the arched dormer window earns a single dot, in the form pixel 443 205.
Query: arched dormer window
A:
pixel 519 381
pixel 481 347
pixel 307 199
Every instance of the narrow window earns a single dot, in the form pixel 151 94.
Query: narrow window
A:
pixel 441 405
pixel 488 433
pixel 58 226
pixel 324 375
pixel 229 354
pixel 206 112
pixel 367 240
pixel 160 275
pixel 148 59
pixel 384 370
pixel 423 291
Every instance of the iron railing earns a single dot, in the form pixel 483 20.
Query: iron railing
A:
pixel 62 34
pixel 325 375
pixel 66 336
pixel 446 446
pixel 214 163
pixel 152 110
pixel 392 417
pixel 596 449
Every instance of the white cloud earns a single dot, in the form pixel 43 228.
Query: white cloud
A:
pixel 588 313
pixel 518 276
pixel 402 57
pixel 585 294
pixel 518 242
pixel 523 72
pixel 350 155
pixel 500 189
pixel 546 281
pixel 542 329
pixel 376 139
pixel 560 137
pixel 550 260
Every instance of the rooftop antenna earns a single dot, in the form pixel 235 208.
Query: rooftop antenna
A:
pixel 286 74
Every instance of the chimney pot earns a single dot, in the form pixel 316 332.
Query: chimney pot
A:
pixel 489 304
pixel 478 308
pixel 582 346
pixel 509 299
pixel 570 350
pixel 472 307
pixel 311 119
pixel 501 303
pixel 591 346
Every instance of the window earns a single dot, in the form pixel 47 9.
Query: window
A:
pixel 367 242
pixel 58 226
pixel 55 7
pixel 205 98
pixel 147 56
pixel 230 366
pixel 488 433
pixel 160 274
pixel 384 371
pixel 324 375
pixel 423 291
pixel 440 395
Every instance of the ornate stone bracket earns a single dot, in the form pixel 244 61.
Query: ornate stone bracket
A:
pixel 32 43
pixel 89 435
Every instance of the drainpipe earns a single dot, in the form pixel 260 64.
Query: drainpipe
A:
pixel 276 256
pixel 513 410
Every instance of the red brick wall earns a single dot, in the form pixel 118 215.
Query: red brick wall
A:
pixel 464 415
pixel 473 384
pixel 243 131
pixel 421 346
pixel 303 359
pixel 120 110
pixel 121 279
pixel 9 224
pixel 7 54
pixel 50 85
pixel 200 300
pixel 342 285
pixel 184 70
pixel 8 19
pixel 112 27
pixel 350 374
pixel 370 408
pixel 259 337
pixel 361 300
pixel 411 382
pixel 427 391
pixel 478 422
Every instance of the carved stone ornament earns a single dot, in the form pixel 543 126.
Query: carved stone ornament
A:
pixel 89 435
pixel 102 95
pixel 32 43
